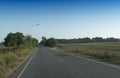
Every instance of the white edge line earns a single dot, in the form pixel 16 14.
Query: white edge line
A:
pixel 26 66
pixel 90 60
pixel 100 62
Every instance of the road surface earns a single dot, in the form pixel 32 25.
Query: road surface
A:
pixel 48 63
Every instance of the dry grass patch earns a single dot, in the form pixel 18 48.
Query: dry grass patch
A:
pixel 107 51
pixel 11 58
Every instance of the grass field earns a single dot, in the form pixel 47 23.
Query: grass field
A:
pixel 104 51
pixel 11 58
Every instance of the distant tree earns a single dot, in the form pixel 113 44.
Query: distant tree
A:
pixel 98 39
pixel 111 39
pixel 85 40
pixel 51 42
pixel 43 40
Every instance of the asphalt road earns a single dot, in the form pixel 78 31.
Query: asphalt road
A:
pixel 48 63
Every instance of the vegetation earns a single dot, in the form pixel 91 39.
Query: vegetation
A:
pixel 87 40
pixel 14 39
pixel 18 39
pixel 51 42
pixel 16 50
pixel 43 40
pixel 29 42
pixel 104 51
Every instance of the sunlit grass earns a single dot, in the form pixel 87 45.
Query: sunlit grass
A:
pixel 105 51
pixel 11 58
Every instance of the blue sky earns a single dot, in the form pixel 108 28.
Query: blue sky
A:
pixel 60 18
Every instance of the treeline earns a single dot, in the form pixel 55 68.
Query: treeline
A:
pixel 18 39
pixel 87 40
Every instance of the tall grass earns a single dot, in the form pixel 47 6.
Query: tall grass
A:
pixel 11 58
pixel 105 51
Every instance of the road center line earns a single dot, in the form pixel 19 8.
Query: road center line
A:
pixel 26 65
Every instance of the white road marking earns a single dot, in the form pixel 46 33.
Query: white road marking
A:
pixel 91 60
pixel 26 65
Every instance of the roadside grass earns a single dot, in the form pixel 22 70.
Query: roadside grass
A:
pixel 11 58
pixel 103 51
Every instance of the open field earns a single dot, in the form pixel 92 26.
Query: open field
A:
pixel 104 51
pixel 11 58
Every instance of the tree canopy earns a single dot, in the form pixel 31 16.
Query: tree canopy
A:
pixel 18 39
pixel 14 39
pixel 51 42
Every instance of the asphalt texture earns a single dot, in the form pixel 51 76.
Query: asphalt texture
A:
pixel 48 63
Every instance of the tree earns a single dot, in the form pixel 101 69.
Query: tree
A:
pixel 14 39
pixel 85 40
pixel 34 42
pixel 43 40
pixel 26 42
pixel 111 39
pixel 9 40
pixel 30 42
pixel 98 39
pixel 51 42
pixel 19 37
